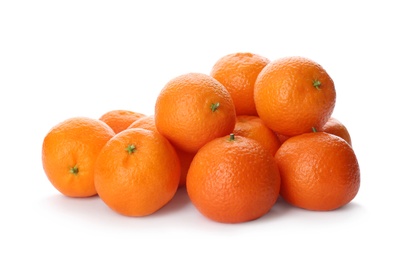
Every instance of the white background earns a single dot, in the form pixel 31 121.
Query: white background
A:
pixel 60 59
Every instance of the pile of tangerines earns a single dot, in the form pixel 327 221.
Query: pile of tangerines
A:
pixel 236 138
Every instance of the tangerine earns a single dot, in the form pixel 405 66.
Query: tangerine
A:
pixel 238 73
pixel 193 109
pixel 184 157
pixel 293 95
pixel 69 152
pixel 137 172
pixel 233 179
pixel 253 127
pixel 120 119
pixel 146 122
pixel 334 126
pixel 319 171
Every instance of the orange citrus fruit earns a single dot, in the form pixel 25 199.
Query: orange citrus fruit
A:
pixel 335 127
pixel 293 95
pixel 69 152
pixel 137 172
pixel 193 109
pixel 233 179
pixel 282 138
pixel 253 127
pixel 120 119
pixel 238 73
pixel 185 161
pixel 319 171
pixel 185 157
pixel 146 122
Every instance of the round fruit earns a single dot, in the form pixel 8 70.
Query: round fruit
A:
pixel 253 127
pixel 319 171
pixel 185 161
pixel 193 109
pixel 233 179
pixel 137 172
pixel 69 152
pixel 185 157
pixel 293 95
pixel 120 119
pixel 335 127
pixel 146 122
pixel 238 72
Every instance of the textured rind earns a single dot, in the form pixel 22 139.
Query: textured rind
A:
pixel 240 184
pixel 119 120
pixel 319 171
pixel 140 183
pixel 183 111
pixel 334 126
pixel 284 94
pixel 253 127
pixel 238 72
pixel 74 142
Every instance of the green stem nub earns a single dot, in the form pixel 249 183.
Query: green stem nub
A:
pixel 232 137
pixel 316 84
pixel 74 170
pixel 215 106
pixel 131 148
pixel 314 130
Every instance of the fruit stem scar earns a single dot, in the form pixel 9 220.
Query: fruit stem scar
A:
pixel 215 106
pixel 314 130
pixel 231 137
pixel 131 148
pixel 316 84
pixel 74 170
